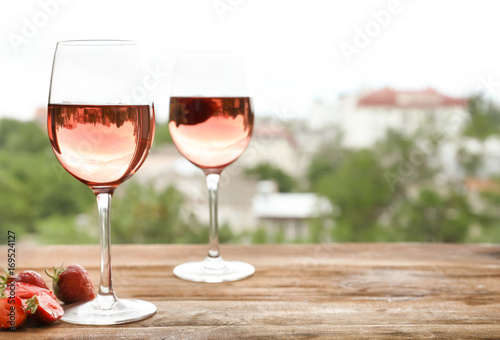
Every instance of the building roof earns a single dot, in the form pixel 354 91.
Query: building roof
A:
pixel 270 132
pixel 427 98
pixel 290 205
pixel 482 185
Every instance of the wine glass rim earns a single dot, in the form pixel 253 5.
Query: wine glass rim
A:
pixel 97 42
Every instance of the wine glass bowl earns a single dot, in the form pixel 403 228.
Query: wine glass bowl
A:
pixel 211 122
pixel 100 145
pixel 211 132
pixel 101 135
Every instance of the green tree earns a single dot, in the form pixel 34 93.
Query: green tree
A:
pixel 143 214
pixel 66 229
pixel 266 171
pixel 260 236
pixel 432 216
pixel 484 118
pixel 383 193
pixel 406 162
pixel 162 135
pixel 33 185
pixel 327 159
pixel 20 137
pixel 359 189
pixel 470 163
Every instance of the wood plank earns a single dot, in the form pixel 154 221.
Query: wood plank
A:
pixel 358 332
pixel 322 291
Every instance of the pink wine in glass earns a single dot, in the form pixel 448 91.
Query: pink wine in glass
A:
pixel 101 145
pixel 211 132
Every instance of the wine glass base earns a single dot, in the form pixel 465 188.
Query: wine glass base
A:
pixel 122 311
pixel 214 270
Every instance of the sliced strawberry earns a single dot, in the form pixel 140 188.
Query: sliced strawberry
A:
pixel 12 314
pixel 43 309
pixel 72 284
pixel 26 290
pixel 32 277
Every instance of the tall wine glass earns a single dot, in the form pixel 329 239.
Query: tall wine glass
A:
pixel 101 126
pixel 211 123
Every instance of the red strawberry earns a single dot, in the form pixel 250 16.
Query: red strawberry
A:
pixel 26 290
pixel 43 309
pixel 12 314
pixel 72 284
pixel 32 277
pixel 5 280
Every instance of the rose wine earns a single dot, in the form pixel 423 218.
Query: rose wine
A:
pixel 211 132
pixel 101 145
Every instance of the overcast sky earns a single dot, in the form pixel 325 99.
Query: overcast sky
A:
pixel 297 50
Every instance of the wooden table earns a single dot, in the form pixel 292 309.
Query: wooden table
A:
pixel 335 291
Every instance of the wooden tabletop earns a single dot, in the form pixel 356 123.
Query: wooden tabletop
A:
pixel 334 291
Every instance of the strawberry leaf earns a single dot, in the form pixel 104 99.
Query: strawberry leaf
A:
pixel 57 272
pixel 32 304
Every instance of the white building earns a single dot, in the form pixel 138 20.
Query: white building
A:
pixel 365 117
pixel 288 212
pixel 276 145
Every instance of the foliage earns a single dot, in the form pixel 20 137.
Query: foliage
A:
pixel 359 189
pixel 395 191
pixel 471 163
pixel 33 185
pixel 70 229
pixel 147 215
pixel 434 217
pixel 162 135
pixel 139 214
pixel 389 193
pixel 484 118
pixel 326 161
pixel 266 171
pixel 263 235
pixel 260 236
pixel 23 137
pixel 142 215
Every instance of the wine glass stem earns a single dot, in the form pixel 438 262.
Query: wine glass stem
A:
pixel 105 297
pixel 212 184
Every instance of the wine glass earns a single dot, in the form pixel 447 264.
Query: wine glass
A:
pixel 211 122
pixel 101 126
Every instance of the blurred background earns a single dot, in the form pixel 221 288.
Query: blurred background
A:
pixel 375 121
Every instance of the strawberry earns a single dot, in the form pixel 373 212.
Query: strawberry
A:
pixel 72 284
pixel 32 277
pixel 26 276
pixel 12 286
pixel 26 291
pixel 5 280
pixel 12 314
pixel 43 309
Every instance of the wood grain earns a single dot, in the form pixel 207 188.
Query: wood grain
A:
pixel 321 291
